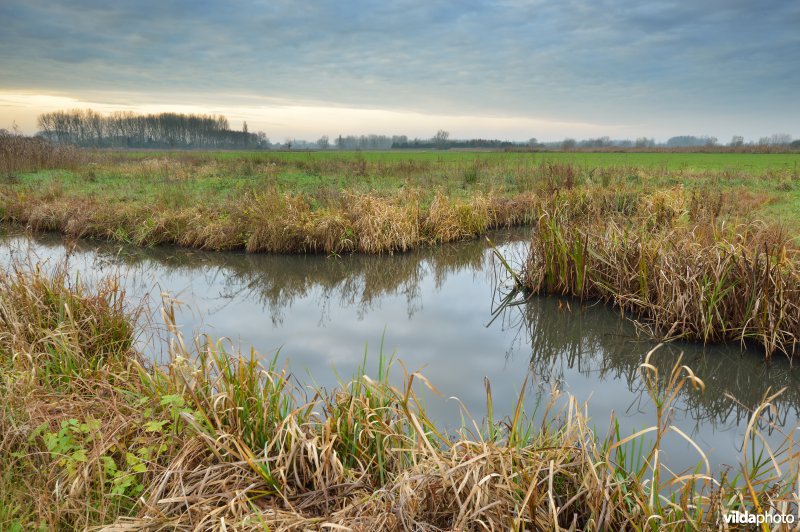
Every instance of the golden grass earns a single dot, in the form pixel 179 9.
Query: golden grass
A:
pixel 217 441
pixel 677 267
pixel 272 221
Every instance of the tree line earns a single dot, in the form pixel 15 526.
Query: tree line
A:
pixel 126 129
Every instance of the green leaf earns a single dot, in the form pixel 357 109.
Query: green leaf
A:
pixel 109 466
pixel 79 455
pixel 155 426
pixel 173 400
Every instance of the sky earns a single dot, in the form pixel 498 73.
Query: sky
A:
pixel 507 69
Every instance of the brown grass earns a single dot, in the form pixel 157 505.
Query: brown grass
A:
pixel 677 268
pixel 271 221
pixel 24 154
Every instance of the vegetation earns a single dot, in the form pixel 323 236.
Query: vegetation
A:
pixel 173 130
pixel 96 436
pixel 675 260
pixel 23 154
pixel 352 202
pixel 128 130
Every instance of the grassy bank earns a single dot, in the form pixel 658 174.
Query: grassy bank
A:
pixel 680 264
pixel 94 435
pixel 352 202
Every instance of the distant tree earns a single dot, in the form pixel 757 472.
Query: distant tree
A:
pixel 568 144
pixel 736 141
pixel 644 142
pixel 690 141
pixel 600 142
pixel 263 140
pixel 795 144
pixel 777 139
pixel 88 128
pixel 288 143
pixel 323 143
pixel 440 139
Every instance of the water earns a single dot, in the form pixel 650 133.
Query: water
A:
pixel 325 316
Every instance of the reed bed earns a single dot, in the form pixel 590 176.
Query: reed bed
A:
pixel 216 440
pixel 272 221
pixel 24 154
pixel 678 267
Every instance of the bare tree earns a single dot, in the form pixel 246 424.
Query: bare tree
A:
pixel 440 139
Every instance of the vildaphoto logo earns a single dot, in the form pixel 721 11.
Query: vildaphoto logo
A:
pixel 745 518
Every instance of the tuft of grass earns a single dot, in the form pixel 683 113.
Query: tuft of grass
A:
pixel 24 154
pixel 677 268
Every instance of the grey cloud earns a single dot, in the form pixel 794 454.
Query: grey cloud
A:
pixel 576 60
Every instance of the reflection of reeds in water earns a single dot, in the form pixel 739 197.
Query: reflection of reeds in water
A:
pixel 276 281
pixel 565 334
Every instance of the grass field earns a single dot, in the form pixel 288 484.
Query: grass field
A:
pixel 699 246
pixel 372 202
pixel 689 161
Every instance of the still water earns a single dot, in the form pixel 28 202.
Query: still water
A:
pixel 434 311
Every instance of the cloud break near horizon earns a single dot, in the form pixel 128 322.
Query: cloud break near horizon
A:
pixel 509 69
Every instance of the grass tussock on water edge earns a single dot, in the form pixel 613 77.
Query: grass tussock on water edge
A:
pixel 678 266
pixel 216 440
pixel 273 221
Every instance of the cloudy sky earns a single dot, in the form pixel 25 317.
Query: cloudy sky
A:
pixel 510 69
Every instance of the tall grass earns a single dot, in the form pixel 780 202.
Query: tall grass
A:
pixel 25 154
pixel 676 267
pixel 215 440
pixel 271 221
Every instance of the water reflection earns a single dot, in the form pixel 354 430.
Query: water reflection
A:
pixel 565 336
pixel 275 282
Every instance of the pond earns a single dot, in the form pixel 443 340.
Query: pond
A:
pixel 433 310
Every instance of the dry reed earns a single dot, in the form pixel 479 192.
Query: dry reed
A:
pixel 708 281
